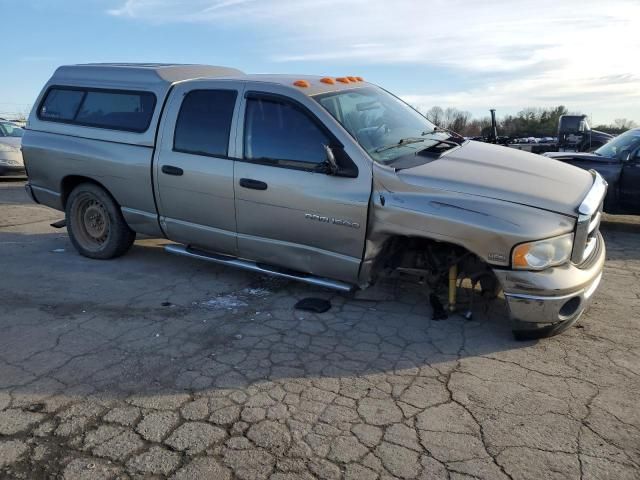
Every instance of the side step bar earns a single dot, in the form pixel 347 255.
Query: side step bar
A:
pixel 260 268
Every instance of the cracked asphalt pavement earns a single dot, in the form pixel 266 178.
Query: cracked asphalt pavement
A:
pixel 155 366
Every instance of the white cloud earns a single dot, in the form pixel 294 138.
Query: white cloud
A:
pixel 517 52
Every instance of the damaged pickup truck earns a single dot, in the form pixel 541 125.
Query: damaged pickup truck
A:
pixel 331 181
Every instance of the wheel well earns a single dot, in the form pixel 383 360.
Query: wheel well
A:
pixel 408 252
pixel 428 257
pixel 72 181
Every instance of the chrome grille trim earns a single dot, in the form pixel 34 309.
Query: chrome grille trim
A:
pixel 595 223
pixel 580 238
pixel 592 202
pixel 588 219
pixel 590 247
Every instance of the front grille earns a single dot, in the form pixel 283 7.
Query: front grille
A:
pixel 588 226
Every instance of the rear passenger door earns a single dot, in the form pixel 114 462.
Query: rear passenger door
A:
pixel 194 170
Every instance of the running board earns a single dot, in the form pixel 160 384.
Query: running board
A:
pixel 260 268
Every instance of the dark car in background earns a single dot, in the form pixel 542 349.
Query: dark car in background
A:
pixel 618 161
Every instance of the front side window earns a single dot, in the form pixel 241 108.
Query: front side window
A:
pixel 115 110
pixel 386 127
pixel 282 133
pixel 204 122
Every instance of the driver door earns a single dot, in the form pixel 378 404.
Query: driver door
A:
pixel 290 214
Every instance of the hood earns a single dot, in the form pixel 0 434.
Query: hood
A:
pixel 505 174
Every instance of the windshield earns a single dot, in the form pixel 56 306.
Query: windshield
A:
pixel 8 129
pixel 385 126
pixel 574 123
pixel 629 141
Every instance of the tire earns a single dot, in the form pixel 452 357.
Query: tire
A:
pixel 95 223
pixel 525 331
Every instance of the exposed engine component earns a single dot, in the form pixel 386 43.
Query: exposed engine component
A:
pixel 443 267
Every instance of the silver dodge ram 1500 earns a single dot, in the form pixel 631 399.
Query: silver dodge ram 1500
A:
pixel 332 181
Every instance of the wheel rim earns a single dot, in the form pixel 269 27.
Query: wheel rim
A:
pixel 91 222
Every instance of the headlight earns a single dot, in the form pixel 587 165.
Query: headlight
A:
pixel 543 253
pixel 8 148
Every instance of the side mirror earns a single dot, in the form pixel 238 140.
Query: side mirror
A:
pixel 337 163
pixel 624 155
pixel 584 127
pixel 332 164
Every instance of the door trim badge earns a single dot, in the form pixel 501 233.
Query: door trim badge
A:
pixel 333 220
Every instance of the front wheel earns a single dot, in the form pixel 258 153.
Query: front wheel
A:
pixel 95 223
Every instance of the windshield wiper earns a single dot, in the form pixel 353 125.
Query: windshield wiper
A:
pixel 402 142
pixel 436 129
pixel 452 135
pixel 446 142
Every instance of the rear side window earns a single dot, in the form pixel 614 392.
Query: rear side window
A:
pixel 204 122
pixel 280 131
pixel 114 110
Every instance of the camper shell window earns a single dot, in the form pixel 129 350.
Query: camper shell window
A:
pixel 111 109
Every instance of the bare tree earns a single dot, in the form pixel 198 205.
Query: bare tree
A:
pixel 460 121
pixel 477 127
pixel 436 116
pixel 624 124
pixel 530 121
pixel 450 115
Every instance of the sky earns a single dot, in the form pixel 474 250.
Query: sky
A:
pixel 468 54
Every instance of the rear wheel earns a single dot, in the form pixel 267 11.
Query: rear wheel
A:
pixel 95 223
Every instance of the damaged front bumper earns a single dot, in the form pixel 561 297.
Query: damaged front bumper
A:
pixel 554 295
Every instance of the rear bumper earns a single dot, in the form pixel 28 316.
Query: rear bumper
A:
pixel 553 295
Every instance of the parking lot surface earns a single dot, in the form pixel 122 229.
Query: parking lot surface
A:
pixel 154 366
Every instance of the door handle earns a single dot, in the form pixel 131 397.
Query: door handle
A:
pixel 253 184
pixel 171 170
